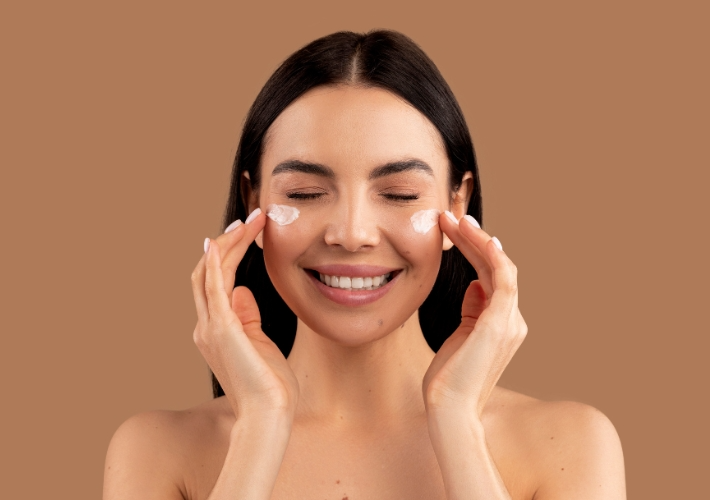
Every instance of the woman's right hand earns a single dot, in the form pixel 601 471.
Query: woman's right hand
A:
pixel 251 369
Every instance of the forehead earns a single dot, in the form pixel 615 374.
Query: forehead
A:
pixel 348 126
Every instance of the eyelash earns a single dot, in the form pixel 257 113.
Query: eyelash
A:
pixel 389 196
pixel 303 196
pixel 401 197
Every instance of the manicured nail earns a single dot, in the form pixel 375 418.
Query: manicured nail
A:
pixel 234 225
pixel 451 216
pixel 253 215
pixel 497 242
pixel 207 244
pixel 473 221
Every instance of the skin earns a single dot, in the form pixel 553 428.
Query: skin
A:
pixel 362 407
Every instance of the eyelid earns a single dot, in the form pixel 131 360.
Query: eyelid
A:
pixel 309 193
pixel 401 196
pixel 405 190
pixel 304 189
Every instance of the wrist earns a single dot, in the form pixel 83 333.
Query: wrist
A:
pixel 454 423
pixel 275 425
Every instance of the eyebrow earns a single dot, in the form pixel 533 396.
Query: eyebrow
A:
pixel 396 167
pixel 391 168
pixel 305 167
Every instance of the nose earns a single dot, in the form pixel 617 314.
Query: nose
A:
pixel 353 226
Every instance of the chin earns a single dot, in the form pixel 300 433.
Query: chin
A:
pixel 359 331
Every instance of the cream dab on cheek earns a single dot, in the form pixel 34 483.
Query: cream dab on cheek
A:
pixel 282 214
pixel 424 220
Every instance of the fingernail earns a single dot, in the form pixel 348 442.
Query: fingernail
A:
pixel 207 244
pixel 473 221
pixel 451 216
pixel 497 242
pixel 253 215
pixel 234 225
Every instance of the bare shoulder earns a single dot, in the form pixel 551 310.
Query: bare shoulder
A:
pixel 150 453
pixel 573 448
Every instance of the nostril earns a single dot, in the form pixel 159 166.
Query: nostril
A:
pixel 351 236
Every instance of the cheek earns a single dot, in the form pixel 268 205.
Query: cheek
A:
pixel 418 240
pixel 422 252
pixel 284 244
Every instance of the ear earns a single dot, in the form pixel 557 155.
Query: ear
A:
pixel 251 197
pixel 459 203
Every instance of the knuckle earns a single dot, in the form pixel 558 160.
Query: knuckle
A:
pixel 510 285
pixel 523 328
pixel 198 338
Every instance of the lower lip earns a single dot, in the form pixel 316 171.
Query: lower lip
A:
pixel 349 297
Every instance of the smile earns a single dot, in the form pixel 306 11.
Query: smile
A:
pixel 355 282
pixel 353 285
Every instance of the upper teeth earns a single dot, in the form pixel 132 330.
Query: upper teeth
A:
pixel 358 283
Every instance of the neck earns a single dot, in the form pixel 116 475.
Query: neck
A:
pixel 368 384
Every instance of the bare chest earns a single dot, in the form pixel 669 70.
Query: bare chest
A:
pixel 332 465
pixel 396 466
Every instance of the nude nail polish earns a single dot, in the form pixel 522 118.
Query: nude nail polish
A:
pixel 451 216
pixel 497 242
pixel 473 221
pixel 253 215
pixel 234 225
pixel 207 244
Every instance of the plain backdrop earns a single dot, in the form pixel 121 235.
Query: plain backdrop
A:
pixel 118 126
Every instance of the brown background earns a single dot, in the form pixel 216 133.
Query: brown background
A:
pixel 119 124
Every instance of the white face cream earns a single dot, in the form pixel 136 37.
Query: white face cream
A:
pixel 424 220
pixel 282 214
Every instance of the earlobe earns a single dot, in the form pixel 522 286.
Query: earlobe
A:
pixel 447 243
pixel 260 239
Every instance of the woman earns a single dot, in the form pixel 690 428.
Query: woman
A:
pixel 360 257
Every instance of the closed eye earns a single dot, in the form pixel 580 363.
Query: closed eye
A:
pixel 303 196
pixel 401 197
pixel 298 195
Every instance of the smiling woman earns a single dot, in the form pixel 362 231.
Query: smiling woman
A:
pixel 372 317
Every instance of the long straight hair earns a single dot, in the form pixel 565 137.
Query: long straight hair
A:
pixel 384 59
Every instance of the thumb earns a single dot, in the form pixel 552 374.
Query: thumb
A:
pixel 245 307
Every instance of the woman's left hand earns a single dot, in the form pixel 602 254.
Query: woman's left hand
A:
pixel 468 365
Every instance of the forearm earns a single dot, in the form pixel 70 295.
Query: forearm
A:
pixel 464 459
pixel 256 449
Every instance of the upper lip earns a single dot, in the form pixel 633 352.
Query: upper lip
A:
pixel 359 270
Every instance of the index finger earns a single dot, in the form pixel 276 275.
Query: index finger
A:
pixel 471 241
pixel 233 255
pixel 233 244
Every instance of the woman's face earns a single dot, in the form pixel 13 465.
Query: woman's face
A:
pixel 357 163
